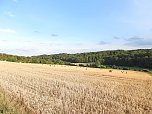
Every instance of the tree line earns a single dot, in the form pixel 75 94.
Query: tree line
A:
pixel 129 58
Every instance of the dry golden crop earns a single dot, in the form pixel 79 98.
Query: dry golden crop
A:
pixel 63 89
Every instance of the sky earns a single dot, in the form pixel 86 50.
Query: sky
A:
pixel 35 27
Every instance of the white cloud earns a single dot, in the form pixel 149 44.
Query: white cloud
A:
pixel 14 0
pixel 8 30
pixel 10 14
pixel 28 48
pixel 32 47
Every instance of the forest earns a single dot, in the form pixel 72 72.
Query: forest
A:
pixel 140 58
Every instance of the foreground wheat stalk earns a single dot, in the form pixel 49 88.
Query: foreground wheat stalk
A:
pixel 70 90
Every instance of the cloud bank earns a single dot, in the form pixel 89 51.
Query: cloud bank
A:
pixel 8 30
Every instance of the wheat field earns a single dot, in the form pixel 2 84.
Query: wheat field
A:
pixel 59 89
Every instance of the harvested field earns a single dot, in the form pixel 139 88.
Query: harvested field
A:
pixel 63 89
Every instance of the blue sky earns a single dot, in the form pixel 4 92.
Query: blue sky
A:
pixel 33 27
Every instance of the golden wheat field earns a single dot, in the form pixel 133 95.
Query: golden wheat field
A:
pixel 56 89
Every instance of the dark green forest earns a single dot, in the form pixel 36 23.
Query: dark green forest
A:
pixel 141 58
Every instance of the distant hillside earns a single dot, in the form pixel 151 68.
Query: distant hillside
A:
pixel 130 58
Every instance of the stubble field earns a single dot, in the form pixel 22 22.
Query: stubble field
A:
pixel 56 89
